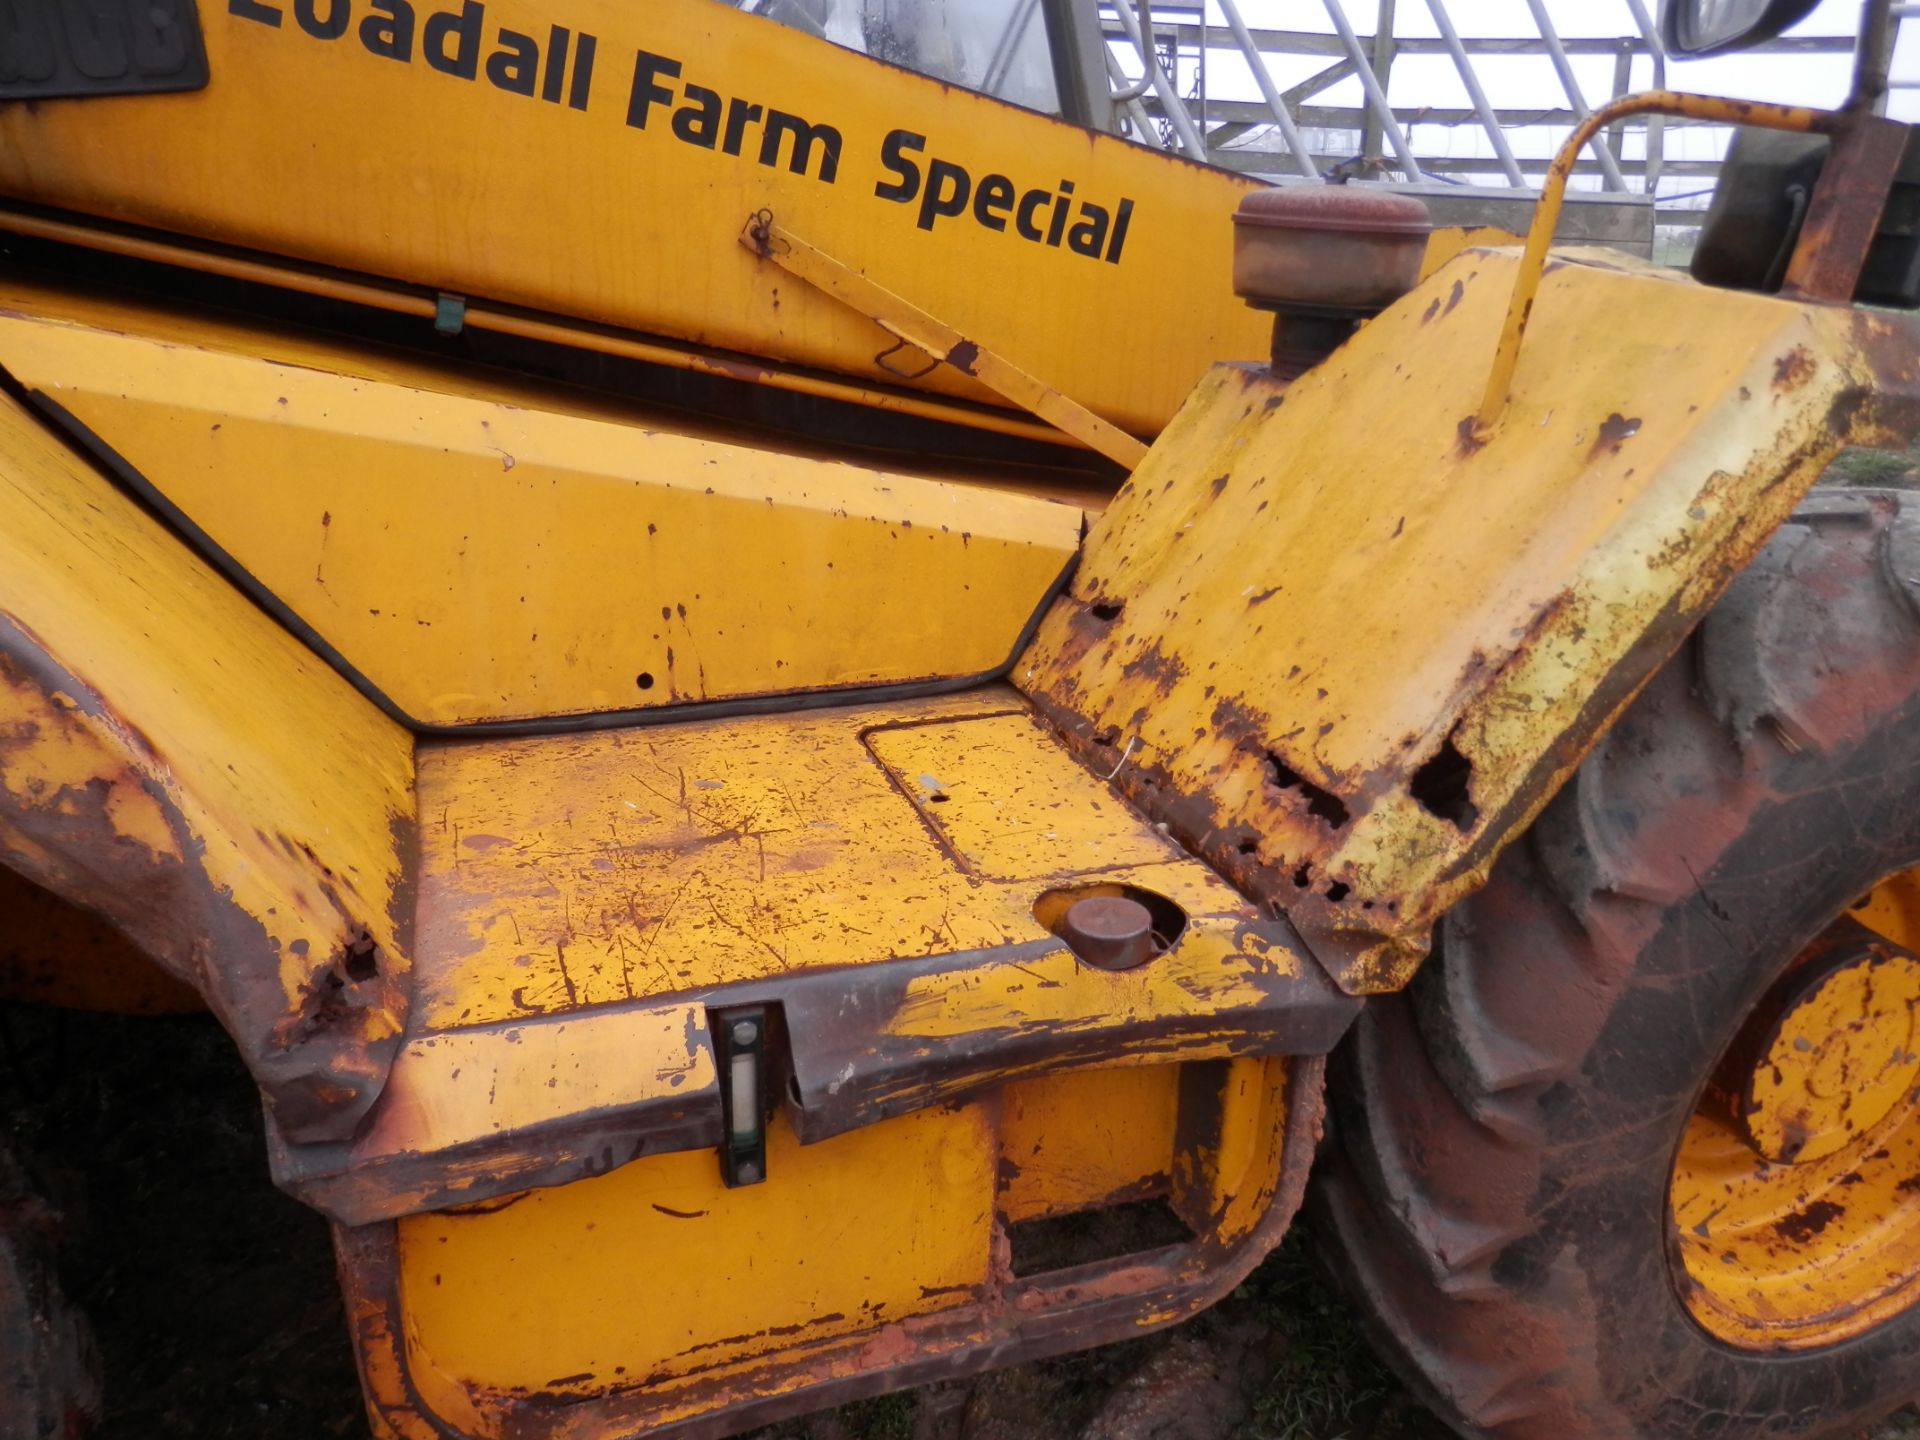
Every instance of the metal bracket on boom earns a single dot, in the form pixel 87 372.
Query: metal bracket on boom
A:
pixel 907 322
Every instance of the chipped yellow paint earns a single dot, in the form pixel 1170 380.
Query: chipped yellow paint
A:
pixel 654 1296
pixel 1798 1256
pixel 1844 1059
pixel 657 1270
pixel 1213 970
pixel 1239 1178
pixel 586 902
pixel 1311 592
pixel 476 1114
pixel 1796 1216
pixel 457 1088
pixel 1447 241
pixel 172 759
pixel 580 213
pixel 573 870
pixel 1086 1138
pixel 500 556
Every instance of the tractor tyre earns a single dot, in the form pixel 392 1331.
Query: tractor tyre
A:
pixel 49 1388
pixel 1638 1152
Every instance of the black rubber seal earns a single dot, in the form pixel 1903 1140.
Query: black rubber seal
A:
pixel 87 51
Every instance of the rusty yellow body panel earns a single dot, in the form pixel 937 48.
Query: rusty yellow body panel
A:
pixel 881 1257
pixel 229 802
pixel 503 1082
pixel 491 1110
pixel 572 870
pixel 574 209
pixel 493 556
pixel 886 1223
pixel 1346 651
pixel 585 901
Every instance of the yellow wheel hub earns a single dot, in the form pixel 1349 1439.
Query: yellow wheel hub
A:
pixel 1796 1188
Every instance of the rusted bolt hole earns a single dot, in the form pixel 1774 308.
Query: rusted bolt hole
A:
pixel 360 961
pixel 1322 804
pixel 644 679
pixel 1107 610
pixel 1444 786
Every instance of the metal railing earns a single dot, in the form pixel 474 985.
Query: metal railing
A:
pixel 1292 132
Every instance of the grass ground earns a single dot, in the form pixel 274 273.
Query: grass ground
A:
pixel 213 1298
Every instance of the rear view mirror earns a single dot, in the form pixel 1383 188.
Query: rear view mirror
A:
pixel 1709 27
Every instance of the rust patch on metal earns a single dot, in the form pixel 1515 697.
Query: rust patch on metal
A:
pixel 1156 668
pixel 1361 832
pixel 1614 432
pixel 1801 1227
pixel 1794 369
pixel 1844 211
pixel 111 838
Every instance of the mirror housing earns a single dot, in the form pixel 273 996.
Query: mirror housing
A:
pixel 1692 28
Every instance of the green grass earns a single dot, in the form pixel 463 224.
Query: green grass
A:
pixel 1883 468
pixel 1328 1383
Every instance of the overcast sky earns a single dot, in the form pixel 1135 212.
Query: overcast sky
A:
pixel 1521 82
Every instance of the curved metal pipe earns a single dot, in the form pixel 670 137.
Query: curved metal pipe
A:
pixel 1546 215
pixel 1140 87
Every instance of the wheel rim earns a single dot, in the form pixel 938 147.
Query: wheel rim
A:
pixel 1795 1196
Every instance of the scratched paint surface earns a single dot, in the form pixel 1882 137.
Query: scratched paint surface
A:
pixel 1209 973
pixel 464 1087
pixel 499 556
pixel 570 871
pixel 1345 653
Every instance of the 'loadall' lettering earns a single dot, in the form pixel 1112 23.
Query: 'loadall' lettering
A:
pixel 1044 216
pixel 448 41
